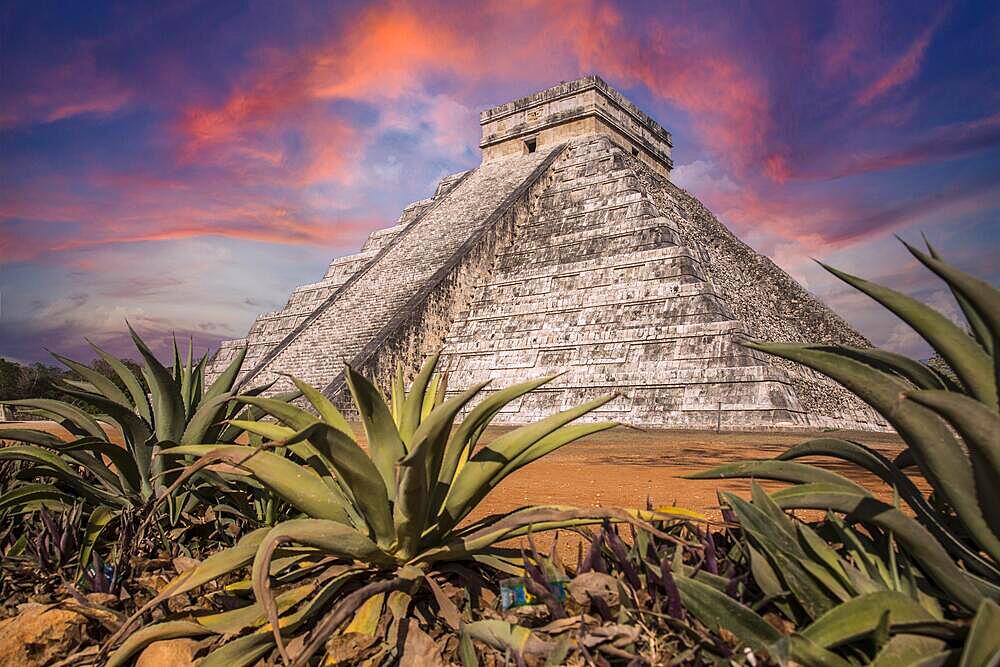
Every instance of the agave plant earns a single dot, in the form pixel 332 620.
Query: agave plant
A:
pixel 893 565
pixel 381 523
pixel 114 481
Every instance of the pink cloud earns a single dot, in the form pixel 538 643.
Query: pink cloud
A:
pixel 73 87
pixel 905 68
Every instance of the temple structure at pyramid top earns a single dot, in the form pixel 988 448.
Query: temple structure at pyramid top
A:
pixel 587 106
pixel 567 250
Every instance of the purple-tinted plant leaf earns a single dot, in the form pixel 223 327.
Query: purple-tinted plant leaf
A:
pixel 674 606
pixel 593 561
pixel 41 552
pixel 621 557
pixel 50 525
pixel 652 582
pixel 541 589
pixel 733 587
pixel 600 607
pixel 727 514
pixel 723 650
pixel 711 563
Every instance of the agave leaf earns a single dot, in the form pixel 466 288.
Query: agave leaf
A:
pixel 976 324
pixel 861 615
pixel 176 369
pixel 225 382
pixel 416 470
pixel 54 465
pixel 435 394
pixel 888 471
pixel 140 639
pixel 101 384
pixel 134 429
pixel 82 421
pixel 209 411
pixel 95 465
pixel 983 643
pixel 187 380
pixel 31 436
pixel 938 453
pixel 907 650
pixel 545 445
pixel 410 509
pixel 472 482
pixel 216 565
pixel 168 406
pixel 131 383
pixel 764 574
pixel 128 473
pixel 466 651
pixel 761 523
pixel 385 446
pixel 829 558
pixel 921 375
pixel 240 652
pixel 779 470
pixel 981 297
pixel 358 474
pixel 969 361
pixel 366 618
pixel 978 425
pixel 487 532
pixel 787 557
pixel 241 410
pixel 334 538
pixel 464 438
pixel 330 537
pixel 298 485
pixel 911 535
pixel 327 411
pixel 501 635
pixel 267 430
pixel 550 443
pixel 99 518
pixel 397 394
pixel 291 415
pixel 717 610
pixel 409 417
pixel 44 494
pixel 798 650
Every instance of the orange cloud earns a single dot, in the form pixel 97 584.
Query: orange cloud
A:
pixel 389 51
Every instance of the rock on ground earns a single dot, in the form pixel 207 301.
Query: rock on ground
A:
pixel 39 635
pixel 168 653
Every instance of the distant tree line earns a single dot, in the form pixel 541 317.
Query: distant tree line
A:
pixel 38 380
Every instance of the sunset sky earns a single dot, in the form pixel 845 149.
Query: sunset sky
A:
pixel 185 165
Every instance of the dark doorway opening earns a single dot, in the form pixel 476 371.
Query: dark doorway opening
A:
pixel 531 144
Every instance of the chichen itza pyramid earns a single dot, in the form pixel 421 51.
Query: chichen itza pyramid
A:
pixel 566 249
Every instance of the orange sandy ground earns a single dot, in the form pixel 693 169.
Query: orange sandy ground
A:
pixel 622 467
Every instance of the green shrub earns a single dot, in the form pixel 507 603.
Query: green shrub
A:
pixel 114 483
pixel 884 582
pixel 372 523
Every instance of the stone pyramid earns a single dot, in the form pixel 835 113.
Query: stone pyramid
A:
pixel 566 249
